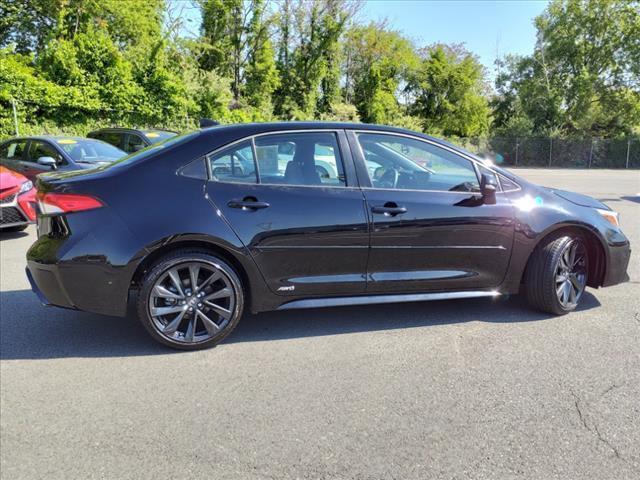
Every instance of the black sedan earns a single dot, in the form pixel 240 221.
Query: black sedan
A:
pixel 209 224
pixel 32 156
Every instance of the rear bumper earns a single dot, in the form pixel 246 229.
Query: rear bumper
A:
pixel 69 270
pixel 47 286
pixel 618 261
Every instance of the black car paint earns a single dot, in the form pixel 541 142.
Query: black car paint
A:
pixel 324 241
pixel 30 168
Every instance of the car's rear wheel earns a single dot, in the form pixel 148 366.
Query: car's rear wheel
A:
pixel 557 275
pixel 190 300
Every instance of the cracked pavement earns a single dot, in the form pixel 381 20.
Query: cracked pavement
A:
pixel 475 389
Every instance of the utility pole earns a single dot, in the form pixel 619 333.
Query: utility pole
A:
pixel 15 118
pixel 628 149
pixel 550 149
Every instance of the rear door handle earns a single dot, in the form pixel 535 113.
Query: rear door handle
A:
pixel 389 209
pixel 247 204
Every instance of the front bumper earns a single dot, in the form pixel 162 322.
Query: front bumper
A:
pixel 17 210
pixel 617 263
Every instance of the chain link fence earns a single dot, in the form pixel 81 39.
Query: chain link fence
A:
pixel 19 117
pixel 556 152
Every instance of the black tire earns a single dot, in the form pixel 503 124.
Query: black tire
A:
pixel 178 259
pixel 541 275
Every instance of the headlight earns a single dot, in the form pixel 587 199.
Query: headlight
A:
pixel 25 187
pixel 610 216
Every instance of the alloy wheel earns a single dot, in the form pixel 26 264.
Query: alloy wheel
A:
pixel 571 274
pixel 192 302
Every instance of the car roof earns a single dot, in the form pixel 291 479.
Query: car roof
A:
pixel 136 130
pixel 248 129
pixel 256 128
pixel 46 137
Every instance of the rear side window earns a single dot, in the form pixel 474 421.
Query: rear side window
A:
pixel 300 159
pixel 234 164
pixel 133 143
pixel 13 150
pixel 114 138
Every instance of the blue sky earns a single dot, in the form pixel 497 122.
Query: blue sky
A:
pixel 481 25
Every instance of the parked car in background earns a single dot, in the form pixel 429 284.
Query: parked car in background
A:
pixel 218 226
pixel 32 156
pixel 17 201
pixel 131 140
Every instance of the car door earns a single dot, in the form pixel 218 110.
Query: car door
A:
pixel 431 229
pixel 307 232
pixel 40 148
pixel 12 153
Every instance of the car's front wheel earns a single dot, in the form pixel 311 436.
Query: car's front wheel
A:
pixel 190 300
pixel 557 274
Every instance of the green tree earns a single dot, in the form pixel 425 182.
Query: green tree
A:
pixel 449 92
pixel 584 75
pixel 308 44
pixel 236 44
pixel 31 24
pixel 261 76
pixel 377 62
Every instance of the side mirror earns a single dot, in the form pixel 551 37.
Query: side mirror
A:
pixel 488 188
pixel 48 162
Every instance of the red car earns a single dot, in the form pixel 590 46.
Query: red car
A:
pixel 17 201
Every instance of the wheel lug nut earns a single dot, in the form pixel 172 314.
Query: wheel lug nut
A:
pixel 199 305
pixel 191 309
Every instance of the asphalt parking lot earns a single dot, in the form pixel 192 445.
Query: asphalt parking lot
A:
pixel 465 389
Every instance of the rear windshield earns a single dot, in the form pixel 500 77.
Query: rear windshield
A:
pixel 156 136
pixel 86 150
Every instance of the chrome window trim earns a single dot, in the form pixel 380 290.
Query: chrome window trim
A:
pixel 252 138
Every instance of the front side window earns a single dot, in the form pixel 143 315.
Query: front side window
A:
pixel 234 164
pixel 13 150
pixel 311 158
pixel 43 149
pixel 403 163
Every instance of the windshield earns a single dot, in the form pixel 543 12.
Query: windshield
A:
pixel 87 150
pixel 156 136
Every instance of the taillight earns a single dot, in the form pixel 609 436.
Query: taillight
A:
pixel 51 203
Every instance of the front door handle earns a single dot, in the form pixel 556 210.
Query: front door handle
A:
pixel 390 209
pixel 248 204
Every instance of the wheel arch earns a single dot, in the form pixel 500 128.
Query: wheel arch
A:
pixel 595 250
pixel 210 246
